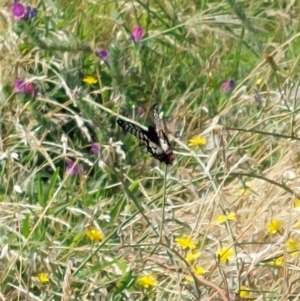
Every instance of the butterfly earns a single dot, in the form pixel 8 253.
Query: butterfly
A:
pixel 154 138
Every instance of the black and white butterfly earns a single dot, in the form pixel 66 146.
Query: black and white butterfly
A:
pixel 155 139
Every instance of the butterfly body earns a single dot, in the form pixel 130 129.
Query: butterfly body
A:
pixel 154 138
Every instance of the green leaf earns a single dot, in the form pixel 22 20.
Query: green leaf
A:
pixel 25 228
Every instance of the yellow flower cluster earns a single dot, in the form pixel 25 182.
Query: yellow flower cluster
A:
pixel 186 242
pixel 224 254
pixel 197 141
pixel 275 226
pixel 90 80
pixel 94 235
pixel 42 278
pixel 147 281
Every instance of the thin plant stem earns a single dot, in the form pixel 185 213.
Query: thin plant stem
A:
pixel 164 205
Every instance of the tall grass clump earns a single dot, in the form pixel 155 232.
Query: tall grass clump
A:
pixel 87 213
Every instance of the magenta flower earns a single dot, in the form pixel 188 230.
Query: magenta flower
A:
pixel 102 53
pixel 228 86
pixel 31 89
pixel 18 10
pixel 137 33
pixel 73 168
pixel 95 147
pixel 22 12
pixel 25 88
pixel 19 85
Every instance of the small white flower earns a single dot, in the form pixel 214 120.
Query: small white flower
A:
pixel 18 189
pixel 14 156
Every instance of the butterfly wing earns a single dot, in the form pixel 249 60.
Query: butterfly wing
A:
pixel 135 130
pixel 155 139
pixel 156 118
pixel 164 152
pixel 163 139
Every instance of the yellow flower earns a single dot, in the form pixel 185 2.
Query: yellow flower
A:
pixel 190 257
pixel 197 141
pixel 222 218
pixel 293 246
pixel 147 281
pixel 275 226
pixel 42 277
pixel 89 80
pixel 185 242
pixel 244 292
pixel 297 203
pixel 224 254
pixel 199 270
pixel 276 261
pixel 94 234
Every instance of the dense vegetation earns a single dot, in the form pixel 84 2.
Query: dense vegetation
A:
pixel 87 213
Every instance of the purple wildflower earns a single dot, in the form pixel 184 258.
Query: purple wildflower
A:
pixel 19 85
pixel 137 33
pixel 228 86
pixel 73 168
pixel 18 10
pixel 102 53
pixel 31 12
pixel 25 88
pixel 31 89
pixel 22 12
pixel 95 147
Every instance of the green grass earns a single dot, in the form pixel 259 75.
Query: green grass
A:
pixel 249 165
